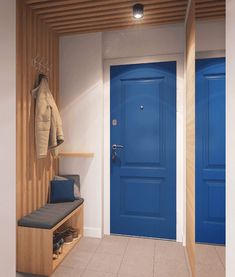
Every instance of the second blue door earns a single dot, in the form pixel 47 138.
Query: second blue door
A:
pixel 210 151
pixel 143 150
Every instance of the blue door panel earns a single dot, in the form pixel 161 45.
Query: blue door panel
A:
pixel 143 175
pixel 210 151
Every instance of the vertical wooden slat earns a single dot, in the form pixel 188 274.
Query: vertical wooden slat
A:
pixel 32 146
pixel 23 115
pixel 33 176
pixel 190 135
pixel 19 25
pixel 28 104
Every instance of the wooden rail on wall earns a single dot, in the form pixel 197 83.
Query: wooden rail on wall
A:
pixel 34 38
pixel 190 135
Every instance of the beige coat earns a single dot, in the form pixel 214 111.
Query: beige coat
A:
pixel 48 124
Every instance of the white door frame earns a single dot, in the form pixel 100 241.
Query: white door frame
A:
pixel 180 137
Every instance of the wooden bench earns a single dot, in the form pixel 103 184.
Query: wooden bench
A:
pixel 35 236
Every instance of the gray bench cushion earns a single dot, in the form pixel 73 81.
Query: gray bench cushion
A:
pixel 49 215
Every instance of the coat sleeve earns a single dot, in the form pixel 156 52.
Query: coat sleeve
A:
pixel 42 125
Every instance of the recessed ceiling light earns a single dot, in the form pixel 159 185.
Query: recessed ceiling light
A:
pixel 138 11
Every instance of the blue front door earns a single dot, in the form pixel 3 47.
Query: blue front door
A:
pixel 143 147
pixel 210 151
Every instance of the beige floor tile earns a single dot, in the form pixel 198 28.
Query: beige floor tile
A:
pixel 221 252
pixel 140 247
pixel 169 250
pixel 206 254
pixel 134 274
pixel 105 262
pixel 88 244
pixel 168 268
pixel 139 267
pixel 117 256
pixel 92 273
pixel 113 245
pixel 211 270
pixel 63 271
pixel 77 258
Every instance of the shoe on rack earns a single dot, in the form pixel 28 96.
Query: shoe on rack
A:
pixel 75 232
pixel 68 237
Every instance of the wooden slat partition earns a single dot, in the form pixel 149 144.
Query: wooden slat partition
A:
pixel 190 135
pixel 34 38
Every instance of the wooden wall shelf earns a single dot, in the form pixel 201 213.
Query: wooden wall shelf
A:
pixel 77 154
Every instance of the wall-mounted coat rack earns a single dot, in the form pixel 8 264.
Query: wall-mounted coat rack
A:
pixel 41 65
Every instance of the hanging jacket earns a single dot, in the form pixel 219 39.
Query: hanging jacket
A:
pixel 48 124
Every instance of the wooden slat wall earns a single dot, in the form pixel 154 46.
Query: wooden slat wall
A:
pixel 190 135
pixel 34 38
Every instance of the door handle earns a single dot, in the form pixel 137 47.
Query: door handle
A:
pixel 117 146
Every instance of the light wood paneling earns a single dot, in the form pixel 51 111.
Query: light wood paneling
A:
pixel 34 38
pixel 190 135
pixel 83 16
pixel 209 9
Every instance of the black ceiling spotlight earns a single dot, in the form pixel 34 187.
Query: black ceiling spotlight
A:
pixel 138 11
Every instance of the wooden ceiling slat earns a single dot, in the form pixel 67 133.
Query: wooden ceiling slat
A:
pixel 210 5
pixel 80 6
pixel 83 16
pixel 71 5
pixel 31 2
pixel 118 27
pixel 210 17
pixel 125 23
pixel 117 15
pixel 119 20
pixel 121 11
pixel 48 4
pixel 121 7
pixel 208 1
pixel 36 5
pixel 205 14
pixel 211 9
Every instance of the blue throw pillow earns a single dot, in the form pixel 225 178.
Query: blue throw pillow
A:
pixel 62 191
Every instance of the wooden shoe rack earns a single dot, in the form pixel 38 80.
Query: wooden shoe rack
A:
pixel 35 246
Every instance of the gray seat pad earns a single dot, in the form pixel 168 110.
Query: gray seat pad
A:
pixel 49 215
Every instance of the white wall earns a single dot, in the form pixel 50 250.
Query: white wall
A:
pixel 7 137
pixel 210 35
pixel 142 42
pixel 81 90
pixel 230 138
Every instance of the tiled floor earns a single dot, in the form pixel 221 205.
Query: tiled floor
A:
pixel 117 256
pixel 210 260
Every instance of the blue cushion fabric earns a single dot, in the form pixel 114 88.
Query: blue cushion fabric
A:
pixel 62 191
